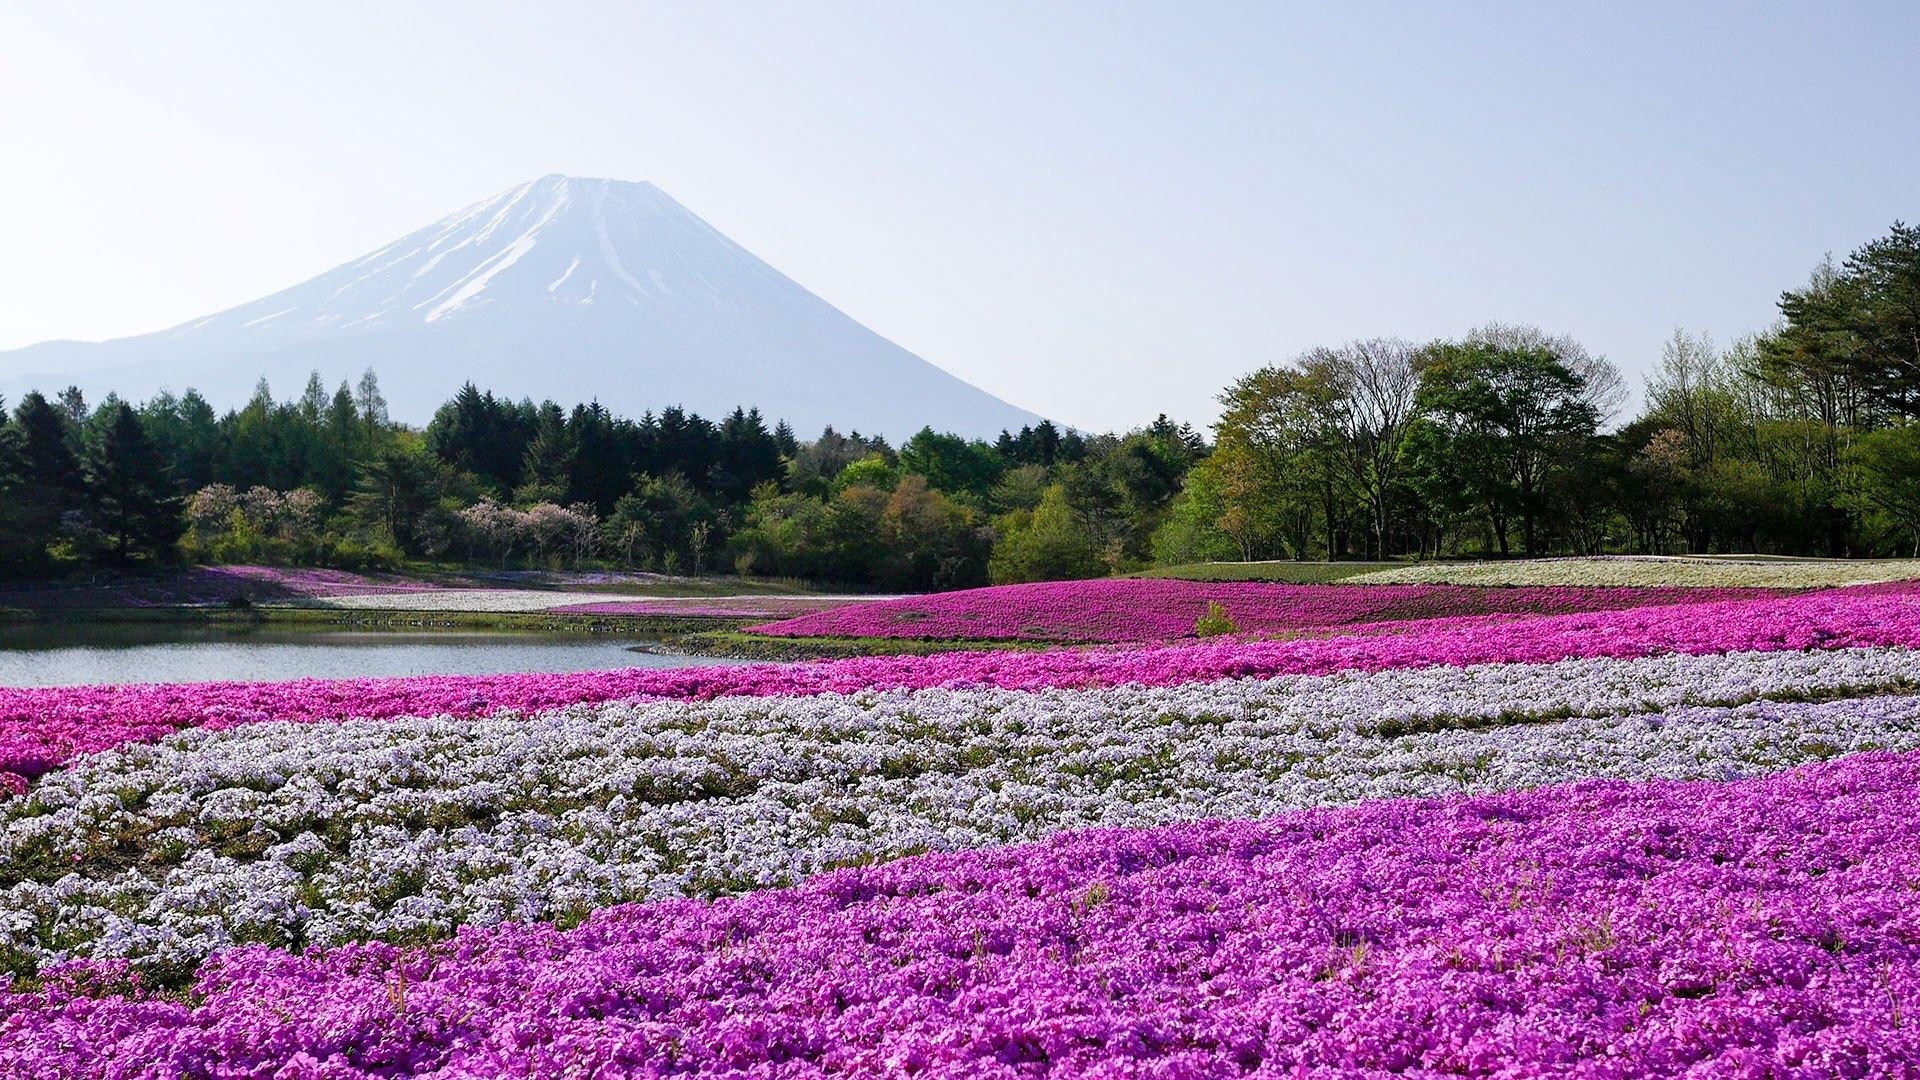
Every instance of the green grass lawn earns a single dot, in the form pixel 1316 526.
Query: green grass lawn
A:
pixel 1284 571
pixel 741 645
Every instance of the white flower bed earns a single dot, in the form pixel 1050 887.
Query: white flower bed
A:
pixel 1643 571
pixel 539 600
pixel 313 834
pixel 487 600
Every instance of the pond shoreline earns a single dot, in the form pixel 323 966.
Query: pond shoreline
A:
pixel 669 635
pixel 551 622
pixel 103 652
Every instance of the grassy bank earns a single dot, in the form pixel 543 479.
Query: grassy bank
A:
pixel 346 618
pixel 734 643
pixel 1281 571
pixel 704 635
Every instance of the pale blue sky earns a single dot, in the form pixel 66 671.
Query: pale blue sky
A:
pixel 1097 211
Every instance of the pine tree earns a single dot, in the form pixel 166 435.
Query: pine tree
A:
pixel 371 404
pixel 597 469
pixel 397 487
pixel 16 549
pixel 548 468
pixel 129 487
pixel 784 439
pixel 50 481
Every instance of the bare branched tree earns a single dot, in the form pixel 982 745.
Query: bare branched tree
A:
pixel 1605 388
pixel 1380 378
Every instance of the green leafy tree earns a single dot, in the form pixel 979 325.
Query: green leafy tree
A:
pixel 1284 431
pixel 871 471
pixel 952 464
pixel 1512 411
pixel 1050 543
pixel 1197 527
pixel 1889 463
pixel 654 523
pixel 930 541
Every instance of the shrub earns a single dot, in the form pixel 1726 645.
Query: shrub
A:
pixel 1215 622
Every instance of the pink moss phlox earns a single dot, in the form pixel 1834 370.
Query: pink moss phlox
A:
pixel 204 585
pixel 719 607
pixel 1757 928
pixel 1146 609
pixel 40 728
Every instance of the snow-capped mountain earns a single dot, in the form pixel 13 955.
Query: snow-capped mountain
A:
pixel 561 288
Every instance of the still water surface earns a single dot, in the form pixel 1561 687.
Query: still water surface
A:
pixel 71 655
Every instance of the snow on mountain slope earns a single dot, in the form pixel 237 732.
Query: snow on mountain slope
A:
pixel 560 288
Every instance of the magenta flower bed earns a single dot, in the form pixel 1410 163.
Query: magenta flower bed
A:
pixel 1146 609
pixel 206 585
pixel 719 607
pixel 42 727
pixel 1758 928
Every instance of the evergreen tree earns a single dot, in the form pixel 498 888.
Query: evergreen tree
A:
pixel 50 479
pixel 784 440
pixel 188 434
pixel 130 490
pixel 16 547
pixel 482 435
pixel 1857 327
pixel 343 422
pixel 748 456
pixel 371 404
pixel 597 471
pixel 397 487
pixel 547 470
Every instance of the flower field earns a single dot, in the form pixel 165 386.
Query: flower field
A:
pixel 718 607
pixel 1668 839
pixel 1646 570
pixel 209 585
pixel 494 600
pixel 584 602
pixel 1116 610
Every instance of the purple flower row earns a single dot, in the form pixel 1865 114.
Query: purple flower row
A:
pixel 206 585
pixel 1148 609
pixel 720 607
pixel 40 728
pixel 1757 928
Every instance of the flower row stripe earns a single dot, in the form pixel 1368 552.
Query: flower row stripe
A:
pixel 1759 928
pixel 1149 609
pixel 301 835
pixel 41 728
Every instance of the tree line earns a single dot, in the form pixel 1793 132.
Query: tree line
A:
pixel 328 478
pixel 1797 440
pixel 1800 439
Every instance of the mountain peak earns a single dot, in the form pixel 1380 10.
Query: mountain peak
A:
pixel 562 286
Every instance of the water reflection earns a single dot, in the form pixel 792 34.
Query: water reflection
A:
pixel 75 654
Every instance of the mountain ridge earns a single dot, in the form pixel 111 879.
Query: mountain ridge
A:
pixel 563 287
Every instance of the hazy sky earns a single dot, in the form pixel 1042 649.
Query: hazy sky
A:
pixel 1097 211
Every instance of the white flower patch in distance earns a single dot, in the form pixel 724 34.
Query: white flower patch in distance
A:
pixel 297 834
pixel 1644 571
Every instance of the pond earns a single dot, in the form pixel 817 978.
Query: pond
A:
pixel 78 654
